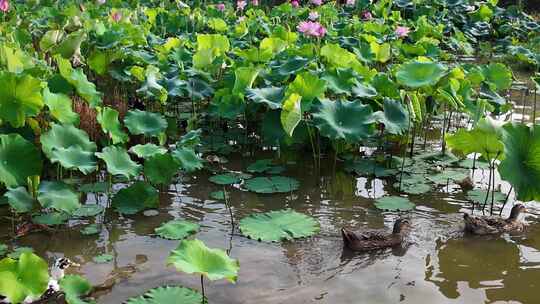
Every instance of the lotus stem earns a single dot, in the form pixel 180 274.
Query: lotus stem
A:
pixel 202 289
pixel 506 200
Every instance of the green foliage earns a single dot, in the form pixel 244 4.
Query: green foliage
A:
pixel 135 198
pixel 160 169
pixel 58 196
pixel 280 225
pixel 177 229
pixel 26 276
pixel 20 97
pixel 394 117
pixel 168 295
pixel 147 150
pixel 189 160
pixel 145 123
pixel 19 159
pixel 291 114
pixel 20 200
pixel 394 203
pixel 60 107
pixel 65 136
pixel 78 79
pixel 271 184
pixel 108 120
pixel 75 157
pixel 75 287
pixel 418 74
pixel 118 162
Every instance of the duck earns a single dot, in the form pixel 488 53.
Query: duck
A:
pixel 57 272
pixel 483 225
pixel 376 239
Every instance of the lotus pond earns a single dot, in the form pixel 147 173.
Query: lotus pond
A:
pixel 208 152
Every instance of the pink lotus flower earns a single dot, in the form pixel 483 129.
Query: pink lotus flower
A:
pixel 295 3
pixel 309 28
pixel 116 16
pixel 313 16
pixel 220 7
pixel 4 5
pixel 367 15
pixel 402 31
pixel 316 2
pixel 241 19
pixel 241 4
pixel 350 2
pixel 255 2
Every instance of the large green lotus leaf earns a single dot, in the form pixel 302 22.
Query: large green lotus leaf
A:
pixel 151 87
pixel 413 188
pixel 385 86
pixel 108 119
pixel 145 123
pixel 394 117
pixel 341 81
pixel 160 169
pixel 65 136
pixel 369 167
pixel 27 276
pixel 291 66
pixel 51 219
pixel 225 179
pixel 118 162
pixel 483 139
pixel 168 295
pixel 189 160
pixel 260 166
pixel 19 159
pixel 97 187
pixel 219 44
pixel 20 200
pixel 20 97
pixel 394 203
pixel 521 165
pixel 271 96
pixel 351 121
pixel 498 75
pixel 272 184
pixel 135 198
pixel 60 107
pixel 416 74
pixel 70 45
pixel 291 114
pixel 147 150
pixel 338 56
pixel 447 175
pixel 190 140
pixel 280 225
pixel 177 229
pixel 75 157
pixel 77 78
pixel 192 256
pixel 58 196
pixel 75 287
pixel 308 86
pixel 245 76
pixel 16 59
pixel 227 105
pixel 88 211
pixel 364 90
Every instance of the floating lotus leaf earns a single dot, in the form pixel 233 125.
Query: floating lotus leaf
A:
pixel 394 117
pixel 145 123
pixel 521 165
pixel 147 150
pixel 51 219
pixel 60 107
pixel 168 295
pixel 90 229
pixel 118 162
pixel 416 74
pixel 103 258
pixel 272 184
pixel 20 97
pixel 75 287
pixel 189 160
pixel 280 225
pixel 77 78
pixel 369 167
pixel 88 211
pixel 160 169
pixel 19 159
pixel 108 119
pixel 176 230
pixel 27 276
pixel 65 136
pixel 447 175
pixel 413 184
pixel 351 121
pixel 135 198
pixel 58 196
pixel 193 257
pixel 271 96
pixel 394 203
pixel 226 179
pixel 75 157
pixel 260 166
pixel 20 200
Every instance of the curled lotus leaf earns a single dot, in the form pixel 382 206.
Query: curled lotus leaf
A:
pixel 118 162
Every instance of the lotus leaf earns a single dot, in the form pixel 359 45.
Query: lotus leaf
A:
pixel 160 169
pixel 272 184
pixel 498 75
pixel 271 96
pixel 65 136
pixel 364 90
pixel 394 117
pixel 479 196
pixel 280 225
pixel 51 219
pixel 394 203
pixel 77 78
pixel 3 249
pixel 291 114
pixel 27 276
pixel 351 121
pixel 145 123
pixel 168 295
pixel 147 150
pixel 108 119
pixel 177 229
pixel 75 287
pixel 94 187
pixel 192 256
pixel 308 86
pixel 417 74
pixel 58 196
pixel 20 200
pixel 245 76
pixel 341 81
pixel 19 159
pixel 189 160
pixel 88 210
pixel 135 198
pixel 218 195
pixel 118 162
pixel 226 179
pixel 75 157
pixel 20 97
pixel 60 107
pixel 90 229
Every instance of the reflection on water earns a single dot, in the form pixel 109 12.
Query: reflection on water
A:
pixel 438 264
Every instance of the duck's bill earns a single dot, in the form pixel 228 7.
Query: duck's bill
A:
pixel 75 264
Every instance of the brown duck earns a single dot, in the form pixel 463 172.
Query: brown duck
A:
pixel 483 225
pixel 376 239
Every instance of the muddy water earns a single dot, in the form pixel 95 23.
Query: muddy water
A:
pixel 437 265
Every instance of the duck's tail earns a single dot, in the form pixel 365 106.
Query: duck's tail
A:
pixel 348 237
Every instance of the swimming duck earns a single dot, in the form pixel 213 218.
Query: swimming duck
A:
pixel 492 225
pixel 376 239
pixel 57 272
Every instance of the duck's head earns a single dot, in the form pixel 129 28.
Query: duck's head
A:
pixel 401 225
pixel 59 266
pixel 516 211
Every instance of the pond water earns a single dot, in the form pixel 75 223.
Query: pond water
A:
pixel 437 265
